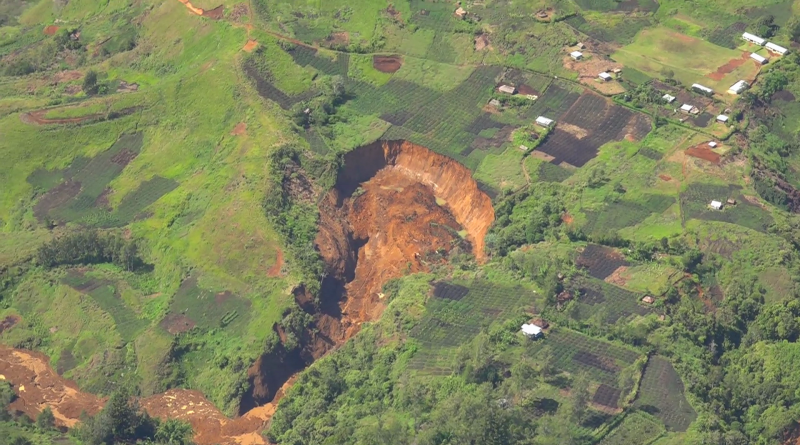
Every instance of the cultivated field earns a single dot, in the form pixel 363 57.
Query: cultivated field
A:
pixel 661 394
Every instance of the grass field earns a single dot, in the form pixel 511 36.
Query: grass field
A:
pixel 637 427
pixel 690 59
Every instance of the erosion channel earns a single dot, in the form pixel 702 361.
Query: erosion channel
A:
pixel 396 208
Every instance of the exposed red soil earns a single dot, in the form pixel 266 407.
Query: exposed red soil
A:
pixel 240 129
pixel 567 219
pixel 394 13
pixel 215 14
pixel 50 30
pixel 250 46
pixel 275 270
pixel 8 323
pixel 702 151
pixel 387 64
pixel 665 177
pixel 728 68
pixel 525 89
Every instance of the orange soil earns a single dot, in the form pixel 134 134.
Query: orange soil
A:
pixel 616 277
pixel 703 152
pixel 250 46
pixel 665 177
pixel 387 64
pixel 567 219
pixel 275 270
pixel 50 30
pixel 728 68
pixel 214 14
pixel 239 129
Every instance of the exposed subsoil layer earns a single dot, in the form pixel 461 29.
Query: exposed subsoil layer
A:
pixel 728 68
pixel 214 14
pixel 387 64
pixel 250 46
pixel 703 152
pixel 50 30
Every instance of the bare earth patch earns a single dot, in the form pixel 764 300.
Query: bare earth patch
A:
pixel 239 129
pixel 542 155
pixel 617 278
pixel 702 151
pixel 482 42
pixel 665 177
pixel 387 64
pixel 574 130
pixel 250 46
pixel 590 67
pixel 728 68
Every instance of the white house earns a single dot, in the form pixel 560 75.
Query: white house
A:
pixel 544 122
pixel 531 330
pixel 702 89
pixel 722 118
pixel 760 59
pixel 716 205
pixel 753 39
pixel 577 55
pixel 668 98
pixel 712 144
pixel 508 89
pixel 686 108
pixel 738 87
pixel 604 76
pixel 776 48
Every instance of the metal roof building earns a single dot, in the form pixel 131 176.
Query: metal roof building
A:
pixel 753 39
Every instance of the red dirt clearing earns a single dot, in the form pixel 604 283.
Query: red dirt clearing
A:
pixel 50 30
pixel 728 68
pixel 703 152
pixel 250 46
pixel 387 64
pixel 275 270
pixel 665 177
pixel 239 129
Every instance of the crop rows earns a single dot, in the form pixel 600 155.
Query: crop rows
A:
pixel 636 428
pixel 436 16
pixel 600 360
pixel 553 103
pixel 610 302
pixel 146 194
pixel 696 198
pixel 304 56
pixel 206 309
pixel 315 141
pixel 661 394
pixel 549 172
pixel 600 261
pixel 268 90
pixel 621 214
pixel 623 32
pixel 729 37
pixel 454 317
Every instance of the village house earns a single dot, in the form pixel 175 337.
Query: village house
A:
pixel 776 48
pixel 716 205
pixel 753 39
pixel 532 331
pixel 760 59
pixel 604 76
pixel 738 87
pixel 668 98
pixel 689 109
pixel 712 144
pixel 576 55
pixel 722 118
pixel 544 122
pixel 580 45
pixel 649 300
pixel 461 13
pixel 494 103
pixel 731 202
pixel 702 89
pixel 508 89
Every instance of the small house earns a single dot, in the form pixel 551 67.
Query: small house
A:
pixel 738 87
pixel 686 108
pixel 753 39
pixel 508 89
pixel 544 122
pixel 776 48
pixel 494 103
pixel 716 205
pixel 531 331
pixel 702 89
pixel 604 76
pixel 461 13
pixel 617 70
pixel 760 59
pixel 712 144
pixel 668 98
pixel 648 299
pixel 731 202
pixel 531 96
pixel 576 55
pixel 580 45
pixel 722 118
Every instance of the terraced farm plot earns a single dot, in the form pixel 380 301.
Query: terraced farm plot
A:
pixel 592 121
pixel 696 198
pixel 625 213
pixel 606 396
pixel 619 32
pixel 137 201
pixel 267 89
pixel 661 394
pixel 602 361
pixel 207 310
pixel 728 37
pixel 612 302
pixel 600 261
pixel 457 314
pixel 305 56
pixel 636 428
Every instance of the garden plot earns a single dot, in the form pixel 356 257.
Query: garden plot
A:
pixel 612 303
pixel 607 396
pixel 454 317
pixel 728 37
pixel 696 198
pixel 661 393
pixel 636 428
pixel 690 60
pixel 600 261
pixel 592 122
pixel 576 353
pixel 267 89
pixel 195 306
pixel 618 6
pixel 625 213
pixel 305 56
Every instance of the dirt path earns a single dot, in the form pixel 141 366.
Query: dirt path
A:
pixel 38 117
pixel 37 385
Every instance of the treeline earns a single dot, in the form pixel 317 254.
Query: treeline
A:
pixel 90 247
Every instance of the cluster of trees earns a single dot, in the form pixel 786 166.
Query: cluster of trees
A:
pixel 526 217
pixel 90 247
pixel 321 109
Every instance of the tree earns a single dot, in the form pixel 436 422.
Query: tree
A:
pixel 174 432
pixel 90 86
pixel 794 29
pixel 19 440
pixel 580 398
pixel 46 420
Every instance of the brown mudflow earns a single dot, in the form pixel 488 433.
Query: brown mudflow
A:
pixel 396 208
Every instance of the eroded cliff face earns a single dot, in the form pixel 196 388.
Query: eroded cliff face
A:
pixel 397 208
